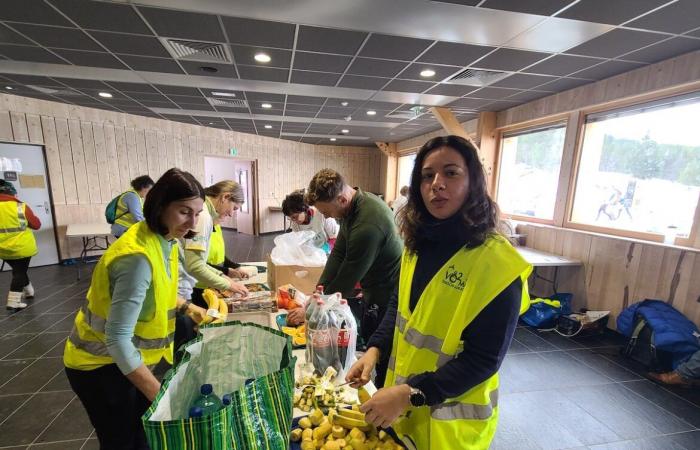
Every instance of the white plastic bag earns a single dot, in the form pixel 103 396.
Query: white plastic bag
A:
pixel 297 249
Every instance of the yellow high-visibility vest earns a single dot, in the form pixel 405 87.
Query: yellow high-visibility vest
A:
pixel 217 247
pixel 85 347
pixel 122 214
pixel 430 336
pixel 16 238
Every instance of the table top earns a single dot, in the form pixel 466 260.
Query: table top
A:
pixel 539 258
pixel 89 229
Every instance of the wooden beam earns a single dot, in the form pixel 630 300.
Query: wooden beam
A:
pixel 449 122
pixel 487 137
pixel 389 149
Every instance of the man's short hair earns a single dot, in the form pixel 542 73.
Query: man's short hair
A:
pixel 325 186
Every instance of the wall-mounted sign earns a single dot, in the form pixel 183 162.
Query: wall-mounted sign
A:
pixel 10 176
pixel 233 151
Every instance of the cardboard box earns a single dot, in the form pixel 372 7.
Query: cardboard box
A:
pixel 303 278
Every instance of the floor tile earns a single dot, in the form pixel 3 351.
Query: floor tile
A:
pixel 9 403
pixel 33 377
pixel 22 427
pixel 8 369
pixel 532 341
pixel 681 441
pixel 62 445
pixel 597 360
pixel 516 348
pixel 560 342
pixel 71 423
pixel 680 407
pixel 38 346
pixel 91 444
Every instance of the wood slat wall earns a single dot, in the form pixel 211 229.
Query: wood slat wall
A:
pixel 93 154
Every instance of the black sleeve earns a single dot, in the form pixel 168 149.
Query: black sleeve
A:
pixel 222 269
pixel 486 341
pixel 230 264
pixel 384 334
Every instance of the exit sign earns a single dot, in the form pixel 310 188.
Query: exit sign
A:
pixel 233 151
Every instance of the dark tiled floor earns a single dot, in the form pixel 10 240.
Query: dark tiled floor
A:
pixel 555 393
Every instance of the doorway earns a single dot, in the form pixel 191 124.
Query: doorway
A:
pixel 244 172
pixel 24 166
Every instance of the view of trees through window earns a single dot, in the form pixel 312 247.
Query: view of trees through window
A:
pixel 641 171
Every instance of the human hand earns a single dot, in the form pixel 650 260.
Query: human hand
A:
pixel 386 405
pixel 198 314
pixel 237 273
pixel 238 288
pixel 296 317
pixel 360 372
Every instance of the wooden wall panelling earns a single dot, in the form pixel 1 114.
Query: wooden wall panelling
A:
pixel 165 152
pixel 67 166
pixel 141 167
pixel 93 176
pixel 5 126
pixel 81 179
pixel 19 127
pixel 120 140
pixel 152 154
pixel 193 153
pixel 53 159
pixel 104 170
pixel 34 129
pixel 176 151
pixel 686 294
pixel 131 152
pixel 113 162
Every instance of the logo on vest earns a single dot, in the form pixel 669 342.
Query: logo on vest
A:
pixel 454 278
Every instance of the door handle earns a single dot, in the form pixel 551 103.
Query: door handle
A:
pixel 46 207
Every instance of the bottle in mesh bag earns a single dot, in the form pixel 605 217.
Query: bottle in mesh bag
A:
pixel 323 331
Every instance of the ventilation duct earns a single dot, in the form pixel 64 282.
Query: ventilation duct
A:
pixel 197 51
pixel 228 102
pixel 53 91
pixel 477 77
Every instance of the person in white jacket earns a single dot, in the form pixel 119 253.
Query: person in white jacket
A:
pixel 305 217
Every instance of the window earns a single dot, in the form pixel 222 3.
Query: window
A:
pixel 639 168
pixel 528 173
pixel 405 169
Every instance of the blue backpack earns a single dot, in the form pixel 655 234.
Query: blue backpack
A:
pixel 111 210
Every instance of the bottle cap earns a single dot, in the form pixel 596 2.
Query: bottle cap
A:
pixel 206 389
pixel 226 399
pixel 196 411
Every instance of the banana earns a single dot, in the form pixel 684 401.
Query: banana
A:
pixel 347 422
pixel 349 413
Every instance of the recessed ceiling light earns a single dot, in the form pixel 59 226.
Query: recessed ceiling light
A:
pixel 266 105
pixel 223 94
pixel 211 123
pixel 371 113
pixel 262 57
pixel 333 139
pixel 427 73
pixel 105 94
pixel 9 88
pixel 345 131
pixel 344 103
pixel 268 127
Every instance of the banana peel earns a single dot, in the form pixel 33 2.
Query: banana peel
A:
pixel 298 334
pixel 363 395
pixel 216 303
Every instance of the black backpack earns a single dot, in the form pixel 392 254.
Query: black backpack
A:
pixel 640 348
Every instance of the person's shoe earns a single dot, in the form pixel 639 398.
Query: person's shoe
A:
pixel 673 379
pixel 28 291
pixel 14 301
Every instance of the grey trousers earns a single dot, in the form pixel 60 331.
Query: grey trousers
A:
pixel 691 368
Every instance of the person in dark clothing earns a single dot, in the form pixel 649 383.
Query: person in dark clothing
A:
pixel 367 250
pixel 462 287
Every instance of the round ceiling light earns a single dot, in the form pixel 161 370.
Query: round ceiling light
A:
pixel 344 103
pixel 266 105
pixel 105 94
pixel 262 57
pixel 371 112
pixel 9 88
pixel 333 139
pixel 345 131
pixel 268 127
pixel 427 73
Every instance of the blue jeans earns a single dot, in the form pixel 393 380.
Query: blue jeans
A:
pixel 691 368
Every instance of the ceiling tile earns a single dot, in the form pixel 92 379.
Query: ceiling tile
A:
pixel 331 115
pixel 678 17
pixel 222 70
pixel 563 84
pixel 563 65
pixel 320 128
pixel 294 127
pixel 494 93
pixel 183 25
pixel 103 16
pixel 664 50
pixel 292 113
pixel 528 96
pixel 142 96
pixel 407 86
pixel 305 108
pixel 58 37
pixel 263 73
pixel 130 44
pixel 328 40
pixel 26 53
pixel 509 59
pixel 259 32
pixel 178 90
pixel 607 69
pixel 8 36
pixel 500 105
pixel 207 92
pixel 615 43
pixel 376 67
pixel 246 55
pixel 454 54
pixel 239 109
pixel 321 62
pixel 557 35
pixel 190 100
pixel 78 83
pixel 146 64
pixel 337 109
pixel 31 11
pixel 613 13
pixel 538 7
pixel 33 79
pixel 305 100
pixel 195 107
pixel 394 47
pixel 239 122
pixel 132 87
pixel 412 72
pixel 316 78
pixel 277 100
pixel 695 33
pixel 91 59
pixel 452 90
pixel 384 106
pixel 157 104
pixel 360 82
pixel 267 112
pixel 177 118
pixel 522 81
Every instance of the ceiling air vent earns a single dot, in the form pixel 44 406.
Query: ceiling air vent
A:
pixel 476 77
pixel 412 113
pixel 53 91
pixel 230 103
pixel 197 51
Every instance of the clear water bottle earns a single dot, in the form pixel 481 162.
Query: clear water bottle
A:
pixel 207 400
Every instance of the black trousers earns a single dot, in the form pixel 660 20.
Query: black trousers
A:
pixel 114 406
pixel 19 273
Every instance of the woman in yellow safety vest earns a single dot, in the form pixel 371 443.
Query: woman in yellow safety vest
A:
pixel 126 327
pixel 461 289
pixel 17 243
pixel 130 205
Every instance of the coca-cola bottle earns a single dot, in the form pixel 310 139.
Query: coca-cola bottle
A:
pixel 343 338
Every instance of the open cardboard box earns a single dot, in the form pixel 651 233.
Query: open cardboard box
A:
pixel 302 278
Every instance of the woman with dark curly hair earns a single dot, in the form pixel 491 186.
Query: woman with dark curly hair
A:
pixel 461 289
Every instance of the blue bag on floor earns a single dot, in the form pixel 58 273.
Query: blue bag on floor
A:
pixel 543 313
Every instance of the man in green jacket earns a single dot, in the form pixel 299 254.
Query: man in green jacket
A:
pixel 368 248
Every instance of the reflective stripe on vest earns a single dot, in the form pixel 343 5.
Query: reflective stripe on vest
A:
pixel 467 411
pixel 99 348
pixel 98 323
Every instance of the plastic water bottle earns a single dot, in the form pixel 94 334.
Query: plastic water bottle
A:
pixel 195 411
pixel 207 401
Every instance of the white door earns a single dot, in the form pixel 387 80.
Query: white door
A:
pixel 33 188
pixel 219 169
pixel 245 175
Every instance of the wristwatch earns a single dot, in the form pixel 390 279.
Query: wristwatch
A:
pixel 417 397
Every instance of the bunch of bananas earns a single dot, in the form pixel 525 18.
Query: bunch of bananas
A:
pixel 298 334
pixel 215 303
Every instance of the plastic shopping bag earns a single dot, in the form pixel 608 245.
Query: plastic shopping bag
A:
pixel 297 249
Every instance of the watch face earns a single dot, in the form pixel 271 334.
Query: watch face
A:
pixel 417 399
